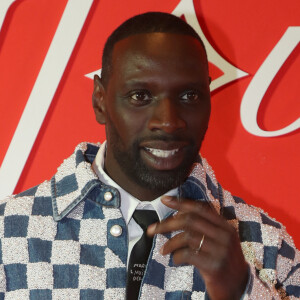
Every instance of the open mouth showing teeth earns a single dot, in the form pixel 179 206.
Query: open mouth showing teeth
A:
pixel 162 153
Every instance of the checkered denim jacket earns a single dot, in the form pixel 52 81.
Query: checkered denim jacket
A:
pixel 56 241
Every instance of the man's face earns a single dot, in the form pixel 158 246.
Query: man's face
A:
pixel 156 107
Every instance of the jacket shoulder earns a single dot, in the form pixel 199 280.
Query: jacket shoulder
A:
pixel 28 202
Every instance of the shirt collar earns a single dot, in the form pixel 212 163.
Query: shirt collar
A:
pixel 128 202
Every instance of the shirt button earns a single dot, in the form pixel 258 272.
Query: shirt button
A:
pixel 116 230
pixel 108 196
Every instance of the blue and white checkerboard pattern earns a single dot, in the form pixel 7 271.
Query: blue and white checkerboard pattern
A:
pixel 43 259
pixel 70 259
pixel 56 242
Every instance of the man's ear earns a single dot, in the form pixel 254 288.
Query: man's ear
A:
pixel 98 100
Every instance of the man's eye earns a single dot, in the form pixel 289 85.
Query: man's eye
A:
pixel 191 96
pixel 140 96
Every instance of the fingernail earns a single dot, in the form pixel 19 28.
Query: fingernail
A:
pixel 167 198
pixel 151 228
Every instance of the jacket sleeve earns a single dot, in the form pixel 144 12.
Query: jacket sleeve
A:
pixel 287 272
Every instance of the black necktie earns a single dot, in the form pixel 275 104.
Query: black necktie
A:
pixel 140 253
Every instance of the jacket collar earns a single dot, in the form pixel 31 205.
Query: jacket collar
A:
pixel 76 180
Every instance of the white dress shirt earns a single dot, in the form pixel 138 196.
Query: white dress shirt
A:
pixel 129 203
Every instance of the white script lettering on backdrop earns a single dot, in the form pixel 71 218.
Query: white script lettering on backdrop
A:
pixel 261 82
pixel 45 86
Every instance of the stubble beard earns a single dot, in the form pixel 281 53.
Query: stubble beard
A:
pixel 131 163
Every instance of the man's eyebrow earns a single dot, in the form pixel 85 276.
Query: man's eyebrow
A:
pixel 135 81
pixel 154 81
pixel 131 83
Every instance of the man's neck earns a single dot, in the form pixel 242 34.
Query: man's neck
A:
pixel 137 191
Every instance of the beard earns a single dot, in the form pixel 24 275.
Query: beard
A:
pixel 131 163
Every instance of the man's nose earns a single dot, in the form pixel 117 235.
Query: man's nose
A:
pixel 166 116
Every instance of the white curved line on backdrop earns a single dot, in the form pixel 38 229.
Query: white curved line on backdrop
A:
pixel 261 82
pixel 41 96
pixel 4 6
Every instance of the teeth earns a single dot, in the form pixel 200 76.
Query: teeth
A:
pixel 162 153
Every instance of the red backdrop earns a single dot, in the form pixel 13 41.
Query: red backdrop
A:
pixel 262 170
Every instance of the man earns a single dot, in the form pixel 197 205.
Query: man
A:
pixel 76 235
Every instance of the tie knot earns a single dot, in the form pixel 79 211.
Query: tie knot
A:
pixel 145 217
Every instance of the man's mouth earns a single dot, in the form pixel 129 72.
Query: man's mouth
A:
pixel 162 153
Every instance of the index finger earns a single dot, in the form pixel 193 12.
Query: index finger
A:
pixel 201 208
